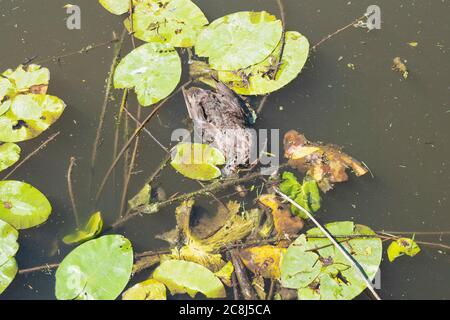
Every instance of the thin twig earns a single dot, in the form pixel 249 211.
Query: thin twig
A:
pixel 28 157
pixel 314 47
pixel 117 129
pixel 39 268
pixel 85 49
pixel 106 98
pixel 70 189
pixel 129 114
pixel 131 166
pixel 212 188
pixel 283 38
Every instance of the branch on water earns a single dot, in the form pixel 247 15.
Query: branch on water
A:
pixel 85 49
pixel 351 24
pixel 32 154
pixel 109 84
pixel 70 189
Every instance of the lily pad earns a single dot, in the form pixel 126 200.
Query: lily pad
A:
pixel 26 79
pixel 8 271
pixel 337 279
pixel 96 270
pixel 271 74
pixel 176 22
pixel 28 116
pixel 189 277
pixel 25 110
pixel 306 194
pixel 299 268
pixel 239 40
pixel 92 228
pixel 9 155
pixel 22 205
pixel 150 289
pixel 8 242
pixel 153 70
pixel 117 7
pixel 197 161
pixel 402 246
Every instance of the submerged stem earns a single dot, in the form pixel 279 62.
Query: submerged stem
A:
pixel 109 84
pixel 70 189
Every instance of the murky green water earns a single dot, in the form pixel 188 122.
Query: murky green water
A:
pixel 399 128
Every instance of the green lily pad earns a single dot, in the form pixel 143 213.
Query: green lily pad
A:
pixel 9 154
pixel 8 271
pixel 117 7
pixel 150 289
pixel 197 161
pixel 22 205
pixel 188 277
pixel 8 242
pixel 306 194
pixel 25 110
pixel 28 116
pixel 153 70
pixel 299 268
pixel 265 77
pixel 92 228
pixel 176 22
pixel 239 40
pixel 402 246
pixel 24 78
pixel 337 279
pixel 96 270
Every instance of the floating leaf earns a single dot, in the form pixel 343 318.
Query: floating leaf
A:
pixel 28 116
pixel 27 79
pixel 197 161
pixel 142 198
pixel 326 164
pixel 27 110
pixel 150 289
pixel 239 40
pixel 153 70
pixel 189 277
pixel 9 154
pixel 413 44
pixel 299 268
pixel 117 7
pixel 271 74
pixel 8 271
pixel 402 246
pixel 176 22
pixel 96 270
pixel 285 223
pixel 22 205
pixel 263 260
pixel 225 274
pixel 337 279
pixel 306 194
pixel 92 228
pixel 400 67
pixel 8 242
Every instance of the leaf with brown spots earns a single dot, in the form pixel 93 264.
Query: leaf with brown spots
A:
pixel 326 164
pixel 263 261
pixel 285 223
